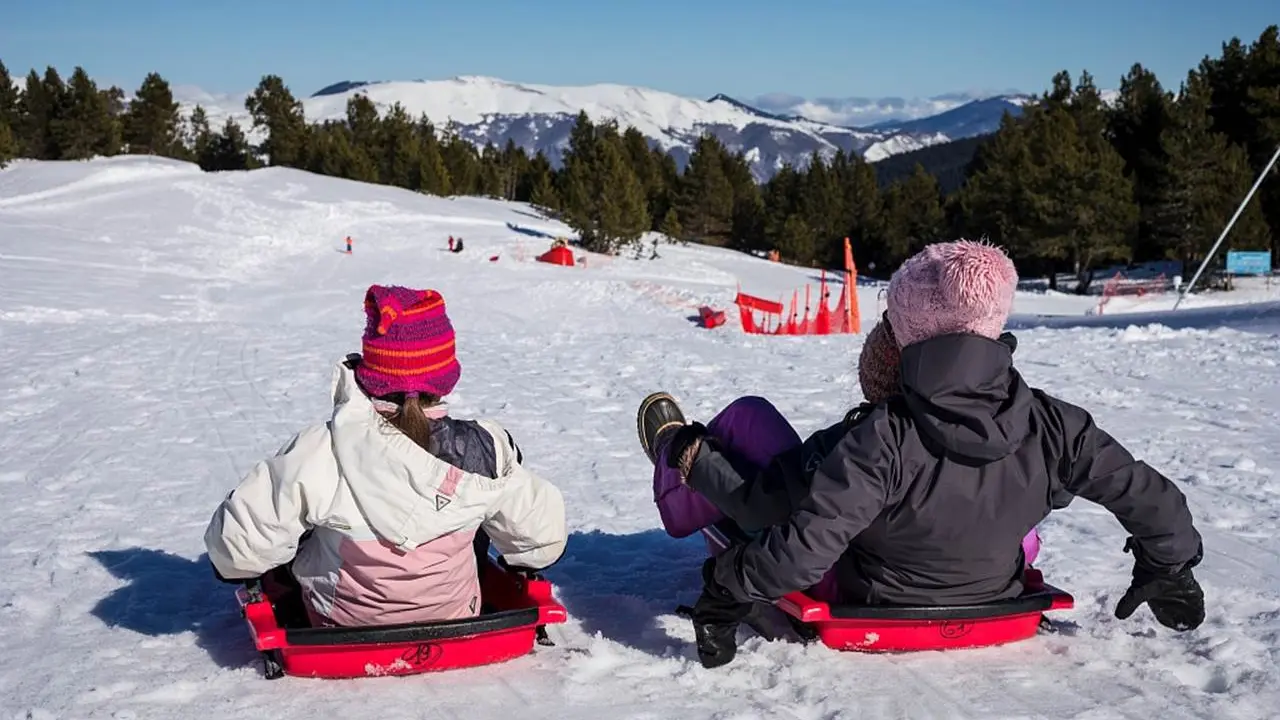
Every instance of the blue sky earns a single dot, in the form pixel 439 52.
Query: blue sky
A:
pixel 745 48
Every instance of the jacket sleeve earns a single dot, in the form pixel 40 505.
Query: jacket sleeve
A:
pixel 527 523
pixel 258 525
pixel 1148 505
pixel 756 502
pixel 849 490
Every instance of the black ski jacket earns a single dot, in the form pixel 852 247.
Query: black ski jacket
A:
pixel 926 499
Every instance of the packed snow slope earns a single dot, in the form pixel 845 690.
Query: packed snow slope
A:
pixel 164 329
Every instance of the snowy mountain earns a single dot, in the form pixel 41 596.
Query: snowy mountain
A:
pixel 976 117
pixel 867 112
pixel 540 117
pixel 164 329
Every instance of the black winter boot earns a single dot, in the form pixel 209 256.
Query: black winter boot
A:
pixel 715 628
pixel 658 414
pixel 717 644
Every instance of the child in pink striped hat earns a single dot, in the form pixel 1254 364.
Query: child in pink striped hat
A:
pixel 382 512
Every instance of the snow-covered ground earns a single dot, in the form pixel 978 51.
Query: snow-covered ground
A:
pixel 163 329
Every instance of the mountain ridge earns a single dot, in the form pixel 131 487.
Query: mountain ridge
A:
pixel 539 118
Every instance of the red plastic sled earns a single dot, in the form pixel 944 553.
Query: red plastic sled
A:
pixel 516 609
pixel 924 627
pixel 710 317
pixel 912 628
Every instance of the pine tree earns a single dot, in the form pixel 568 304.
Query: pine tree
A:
pixel 1082 204
pixel 822 206
pixel 537 187
pixel 601 197
pixel 40 105
pixel 914 216
pixel 863 211
pixel 997 201
pixel 1136 124
pixel 705 202
pixel 624 215
pixel 274 108
pixel 113 143
pixel 434 176
pixel 1264 111
pixel 463 164
pixel 647 170
pixel 229 150
pixel 670 225
pixel 400 162
pixel 10 106
pixel 795 239
pixel 84 126
pixel 1208 177
pixel 8 143
pixel 197 135
pixel 579 178
pixel 152 125
pixel 331 150
pixel 746 221
pixel 364 124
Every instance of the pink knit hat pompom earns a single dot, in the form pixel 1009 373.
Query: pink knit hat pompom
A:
pixel 952 287
pixel 878 372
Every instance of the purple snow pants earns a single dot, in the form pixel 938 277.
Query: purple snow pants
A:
pixel 751 432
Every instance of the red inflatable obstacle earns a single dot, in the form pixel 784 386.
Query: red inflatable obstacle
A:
pixel 559 254
pixel 515 611
pixel 929 627
pixel 710 317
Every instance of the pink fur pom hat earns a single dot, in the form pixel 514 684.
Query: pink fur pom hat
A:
pixel 949 288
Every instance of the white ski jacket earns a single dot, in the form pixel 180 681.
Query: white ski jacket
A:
pixel 388 526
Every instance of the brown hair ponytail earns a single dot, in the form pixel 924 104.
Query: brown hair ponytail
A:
pixel 410 417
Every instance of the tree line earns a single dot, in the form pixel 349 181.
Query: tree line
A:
pixel 1069 184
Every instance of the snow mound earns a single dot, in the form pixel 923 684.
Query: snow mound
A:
pixel 165 329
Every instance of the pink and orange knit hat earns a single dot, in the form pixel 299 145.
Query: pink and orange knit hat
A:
pixel 952 287
pixel 408 344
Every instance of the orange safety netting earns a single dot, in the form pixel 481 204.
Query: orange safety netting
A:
pixel 845 318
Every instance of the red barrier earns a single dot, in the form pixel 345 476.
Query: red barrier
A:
pixel 843 319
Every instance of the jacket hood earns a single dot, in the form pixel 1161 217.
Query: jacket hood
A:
pixel 965 396
pixel 396 484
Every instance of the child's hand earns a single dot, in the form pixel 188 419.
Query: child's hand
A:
pixel 684 448
pixel 1175 598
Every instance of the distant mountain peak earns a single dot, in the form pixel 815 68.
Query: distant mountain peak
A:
pixel 341 87
pixel 722 98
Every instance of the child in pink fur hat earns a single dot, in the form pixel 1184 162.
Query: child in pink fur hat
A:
pixel 924 497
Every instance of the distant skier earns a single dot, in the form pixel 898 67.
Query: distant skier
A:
pixel 923 497
pixel 457 246
pixel 450 243
pixel 375 512
pixel 348 244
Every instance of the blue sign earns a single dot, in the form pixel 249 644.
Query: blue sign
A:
pixel 1242 262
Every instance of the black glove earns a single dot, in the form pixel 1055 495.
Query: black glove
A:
pixel 1175 598
pixel 684 446
pixel 524 572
